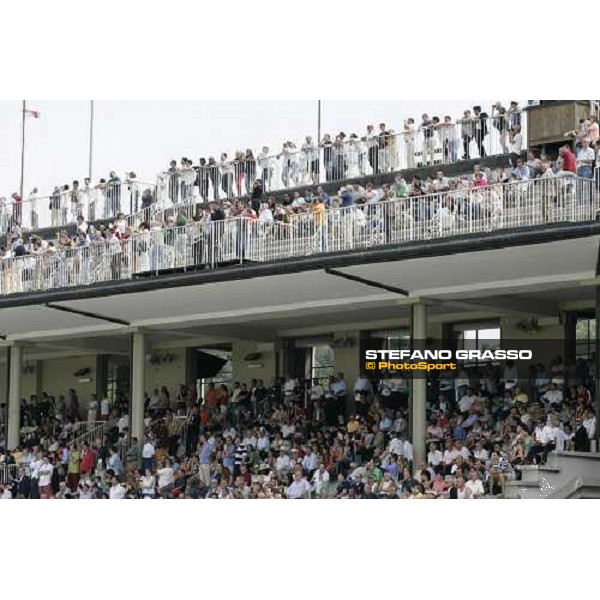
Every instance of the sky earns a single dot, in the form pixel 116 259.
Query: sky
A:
pixel 142 136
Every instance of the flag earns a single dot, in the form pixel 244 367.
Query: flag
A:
pixel 33 113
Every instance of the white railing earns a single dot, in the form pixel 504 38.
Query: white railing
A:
pixel 61 209
pixel 211 243
pixel 446 214
pixel 309 164
pixel 339 160
pixel 83 430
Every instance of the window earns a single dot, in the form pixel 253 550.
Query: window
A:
pixel 395 339
pixel 322 362
pixel 585 338
pixel 471 337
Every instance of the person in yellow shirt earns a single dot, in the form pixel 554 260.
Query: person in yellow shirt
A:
pixel 520 397
pixel 353 425
pixel 318 211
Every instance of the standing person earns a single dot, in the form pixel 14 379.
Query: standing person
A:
pixel 113 194
pixel 501 123
pixel 409 141
pixel 32 202
pixel 327 146
pixel 88 460
pixel 203 179
pixel 265 162
pixel 312 159
pixel 173 176
pixel 45 479
pixel 449 141
pixel 227 171
pixel 250 171
pixel 383 141
pixel 427 130
pixel 148 453
pixel 206 450
pixel 73 467
pixel 148 484
pixel 239 166
pixel 93 408
pixel 481 129
pixel 104 409
pixel 132 458
pixel 585 160
pixel 468 133
pixel 17 203
pixel 215 176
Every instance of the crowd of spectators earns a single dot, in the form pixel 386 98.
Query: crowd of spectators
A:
pixel 308 439
pixel 104 253
pixel 430 141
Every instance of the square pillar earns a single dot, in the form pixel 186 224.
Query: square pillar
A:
pixel 419 391
pixel 14 396
pixel 138 367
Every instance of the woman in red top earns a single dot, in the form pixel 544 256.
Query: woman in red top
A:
pixel 88 460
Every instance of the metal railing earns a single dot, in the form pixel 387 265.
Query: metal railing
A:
pixel 200 244
pixel 308 164
pixel 338 160
pixel 8 473
pixel 86 432
pixel 444 214
pixel 61 209
pixel 210 243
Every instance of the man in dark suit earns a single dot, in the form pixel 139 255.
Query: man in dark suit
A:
pixel 22 485
pixel 481 128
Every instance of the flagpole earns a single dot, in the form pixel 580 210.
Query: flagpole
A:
pixel 22 151
pixel 91 138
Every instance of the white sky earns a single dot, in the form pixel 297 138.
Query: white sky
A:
pixel 144 135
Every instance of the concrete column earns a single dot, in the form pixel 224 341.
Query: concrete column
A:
pixel 14 396
pixel 138 364
pixel 419 395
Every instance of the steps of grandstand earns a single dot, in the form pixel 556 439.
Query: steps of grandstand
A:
pixel 555 479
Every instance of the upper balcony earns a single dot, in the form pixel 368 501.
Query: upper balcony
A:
pixel 375 156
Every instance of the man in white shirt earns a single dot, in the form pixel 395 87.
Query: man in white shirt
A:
pixel 474 486
pixel 553 396
pixel 148 452
pixel 283 463
pixel 434 456
pixel 396 445
pixel 320 480
pixel 104 409
pixel 117 490
pixel 310 462
pixel 590 424
pixel 299 488
pixel 166 478
pixel 45 478
pixel 585 160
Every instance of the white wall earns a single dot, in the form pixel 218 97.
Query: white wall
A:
pixel 243 373
pixel 171 375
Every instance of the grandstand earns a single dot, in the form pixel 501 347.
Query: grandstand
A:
pixel 204 335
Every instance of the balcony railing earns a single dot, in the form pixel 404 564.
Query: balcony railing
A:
pixel 210 244
pixel 61 209
pixel 308 165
